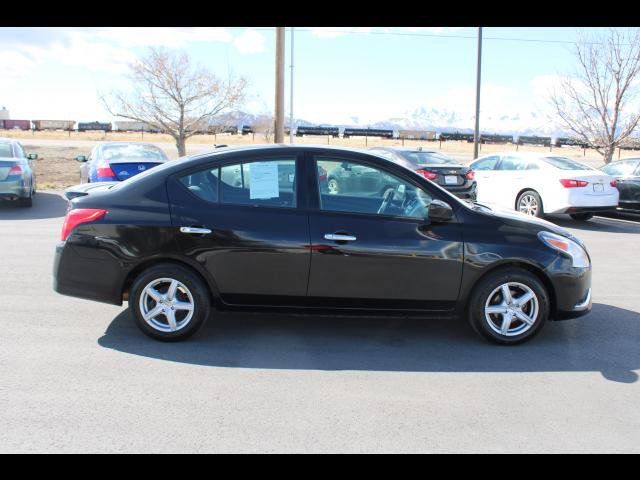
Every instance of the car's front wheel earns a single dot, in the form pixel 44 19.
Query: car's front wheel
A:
pixel 509 306
pixel 169 302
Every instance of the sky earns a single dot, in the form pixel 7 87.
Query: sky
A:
pixel 342 75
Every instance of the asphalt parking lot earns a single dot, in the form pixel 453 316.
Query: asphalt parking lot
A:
pixel 78 376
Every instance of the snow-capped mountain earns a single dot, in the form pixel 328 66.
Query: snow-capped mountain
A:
pixel 517 123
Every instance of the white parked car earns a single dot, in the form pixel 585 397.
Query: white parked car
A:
pixel 538 184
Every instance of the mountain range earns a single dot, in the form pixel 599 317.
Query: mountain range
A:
pixel 526 123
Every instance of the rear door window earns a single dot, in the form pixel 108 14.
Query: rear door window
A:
pixel 488 163
pixel 268 182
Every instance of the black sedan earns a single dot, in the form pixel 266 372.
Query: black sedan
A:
pixel 442 169
pixel 627 173
pixel 178 240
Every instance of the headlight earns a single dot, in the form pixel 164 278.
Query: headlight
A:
pixel 566 246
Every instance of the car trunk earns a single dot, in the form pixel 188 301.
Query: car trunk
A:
pixel 448 175
pixel 5 166
pixel 124 170
pixel 599 183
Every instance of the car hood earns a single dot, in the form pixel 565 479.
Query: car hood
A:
pixel 514 218
pixel 85 188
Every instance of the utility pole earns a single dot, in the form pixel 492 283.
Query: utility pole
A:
pixel 476 133
pixel 291 93
pixel 279 120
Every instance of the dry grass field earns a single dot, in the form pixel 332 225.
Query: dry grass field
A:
pixel 57 150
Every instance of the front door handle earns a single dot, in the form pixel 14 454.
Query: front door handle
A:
pixel 339 238
pixel 195 230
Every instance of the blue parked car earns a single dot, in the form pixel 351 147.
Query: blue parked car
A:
pixel 117 161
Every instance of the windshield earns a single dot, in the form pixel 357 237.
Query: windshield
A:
pixel 429 158
pixel 134 152
pixel 5 150
pixel 564 163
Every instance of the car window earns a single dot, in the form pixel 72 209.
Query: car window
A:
pixel 5 150
pixel 488 163
pixel 564 163
pixel 385 154
pixel 347 186
pixel 512 163
pixel 429 158
pixel 19 151
pixel 620 169
pixel 203 184
pixel 269 182
pixel 133 152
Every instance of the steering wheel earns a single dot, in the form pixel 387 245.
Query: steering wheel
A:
pixel 385 201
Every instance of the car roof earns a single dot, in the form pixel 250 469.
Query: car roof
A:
pixel 623 160
pixel 406 149
pixel 105 144
pixel 8 140
pixel 527 155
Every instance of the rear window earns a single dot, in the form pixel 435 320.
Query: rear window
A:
pixel 5 150
pixel 564 163
pixel 134 153
pixel 429 158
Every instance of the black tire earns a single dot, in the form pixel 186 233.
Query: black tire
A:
pixel 582 217
pixel 25 202
pixel 485 288
pixel 197 288
pixel 536 197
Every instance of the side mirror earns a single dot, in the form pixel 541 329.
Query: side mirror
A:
pixel 440 211
pixel 32 156
pixel 81 158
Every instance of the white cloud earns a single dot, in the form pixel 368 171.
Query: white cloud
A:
pixel 334 32
pixel 250 41
pixel 169 37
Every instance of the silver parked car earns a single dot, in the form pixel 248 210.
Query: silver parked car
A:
pixel 17 178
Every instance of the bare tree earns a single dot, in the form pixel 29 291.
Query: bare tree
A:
pixel 175 96
pixel 265 124
pixel 595 102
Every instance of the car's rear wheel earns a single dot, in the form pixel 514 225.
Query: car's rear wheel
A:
pixel 169 302
pixel 509 306
pixel 530 203
pixel 583 217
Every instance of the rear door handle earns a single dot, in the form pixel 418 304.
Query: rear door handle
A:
pixel 195 230
pixel 339 238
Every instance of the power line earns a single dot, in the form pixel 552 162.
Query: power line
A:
pixel 432 35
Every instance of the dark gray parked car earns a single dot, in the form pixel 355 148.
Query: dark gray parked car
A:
pixel 17 178
pixel 441 169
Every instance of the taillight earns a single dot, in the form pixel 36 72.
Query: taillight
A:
pixel 427 174
pixel 105 172
pixel 613 183
pixel 77 216
pixel 16 170
pixel 470 175
pixel 569 183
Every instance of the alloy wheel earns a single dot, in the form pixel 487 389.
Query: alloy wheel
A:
pixel 528 205
pixel 511 309
pixel 166 305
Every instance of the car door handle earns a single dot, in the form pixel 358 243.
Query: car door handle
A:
pixel 339 238
pixel 195 230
